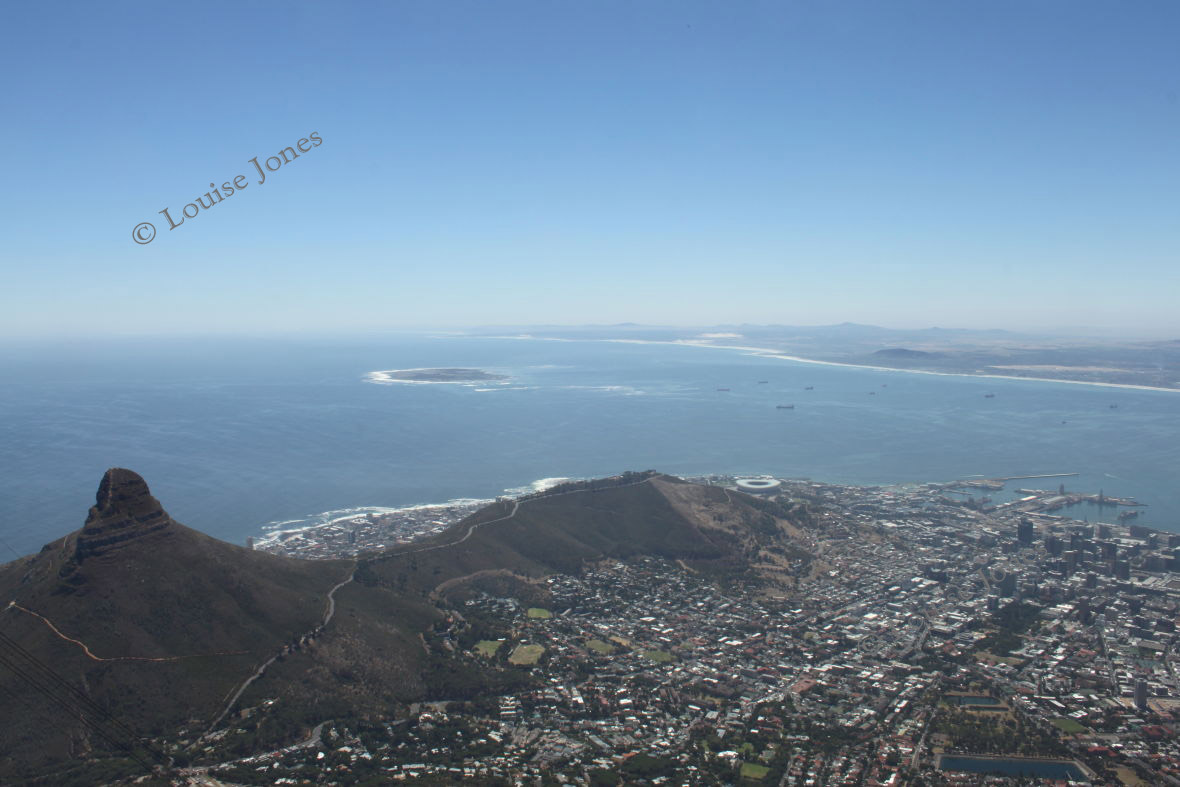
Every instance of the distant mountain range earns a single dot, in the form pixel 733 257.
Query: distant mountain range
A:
pixel 129 643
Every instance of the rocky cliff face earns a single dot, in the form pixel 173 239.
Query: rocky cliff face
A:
pixel 154 625
pixel 124 511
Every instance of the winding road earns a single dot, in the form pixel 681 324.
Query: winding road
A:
pixel 90 654
pixel 515 507
pixel 330 610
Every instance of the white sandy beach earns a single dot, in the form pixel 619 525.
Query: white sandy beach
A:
pixel 767 352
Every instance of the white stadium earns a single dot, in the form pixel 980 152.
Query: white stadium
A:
pixel 759 486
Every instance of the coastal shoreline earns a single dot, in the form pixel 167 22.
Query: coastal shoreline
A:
pixel 327 535
pixel 398 524
pixel 767 352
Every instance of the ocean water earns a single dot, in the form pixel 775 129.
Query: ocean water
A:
pixel 234 436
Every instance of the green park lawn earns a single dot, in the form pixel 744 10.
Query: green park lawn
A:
pixel 752 771
pixel 488 647
pixel 526 655
pixel 600 647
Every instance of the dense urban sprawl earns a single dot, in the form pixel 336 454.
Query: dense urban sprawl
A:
pixel 929 638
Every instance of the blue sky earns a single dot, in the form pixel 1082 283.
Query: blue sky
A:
pixel 983 164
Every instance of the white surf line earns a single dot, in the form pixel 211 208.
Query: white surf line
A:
pixel 273 532
pixel 768 352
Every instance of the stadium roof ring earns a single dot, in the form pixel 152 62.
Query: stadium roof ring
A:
pixel 759 486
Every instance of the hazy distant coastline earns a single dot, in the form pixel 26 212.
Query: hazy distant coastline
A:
pixel 1124 363
pixel 772 354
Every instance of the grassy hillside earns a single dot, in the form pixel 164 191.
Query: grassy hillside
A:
pixel 706 527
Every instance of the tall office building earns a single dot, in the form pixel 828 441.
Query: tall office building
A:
pixel 1141 694
pixel 1025 532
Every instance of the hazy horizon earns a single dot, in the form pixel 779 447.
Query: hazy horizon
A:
pixel 1062 332
pixel 1000 165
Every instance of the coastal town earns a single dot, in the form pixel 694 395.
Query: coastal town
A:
pixel 926 636
pixel 368 531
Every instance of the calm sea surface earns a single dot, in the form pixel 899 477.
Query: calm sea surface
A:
pixel 235 435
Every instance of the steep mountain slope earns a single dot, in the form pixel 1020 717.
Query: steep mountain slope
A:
pixel 155 622
pixel 136 627
pixel 708 528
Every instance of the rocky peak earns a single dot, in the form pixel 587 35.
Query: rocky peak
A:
pixel 124 510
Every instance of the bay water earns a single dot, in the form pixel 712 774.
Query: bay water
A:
pixel 238 435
